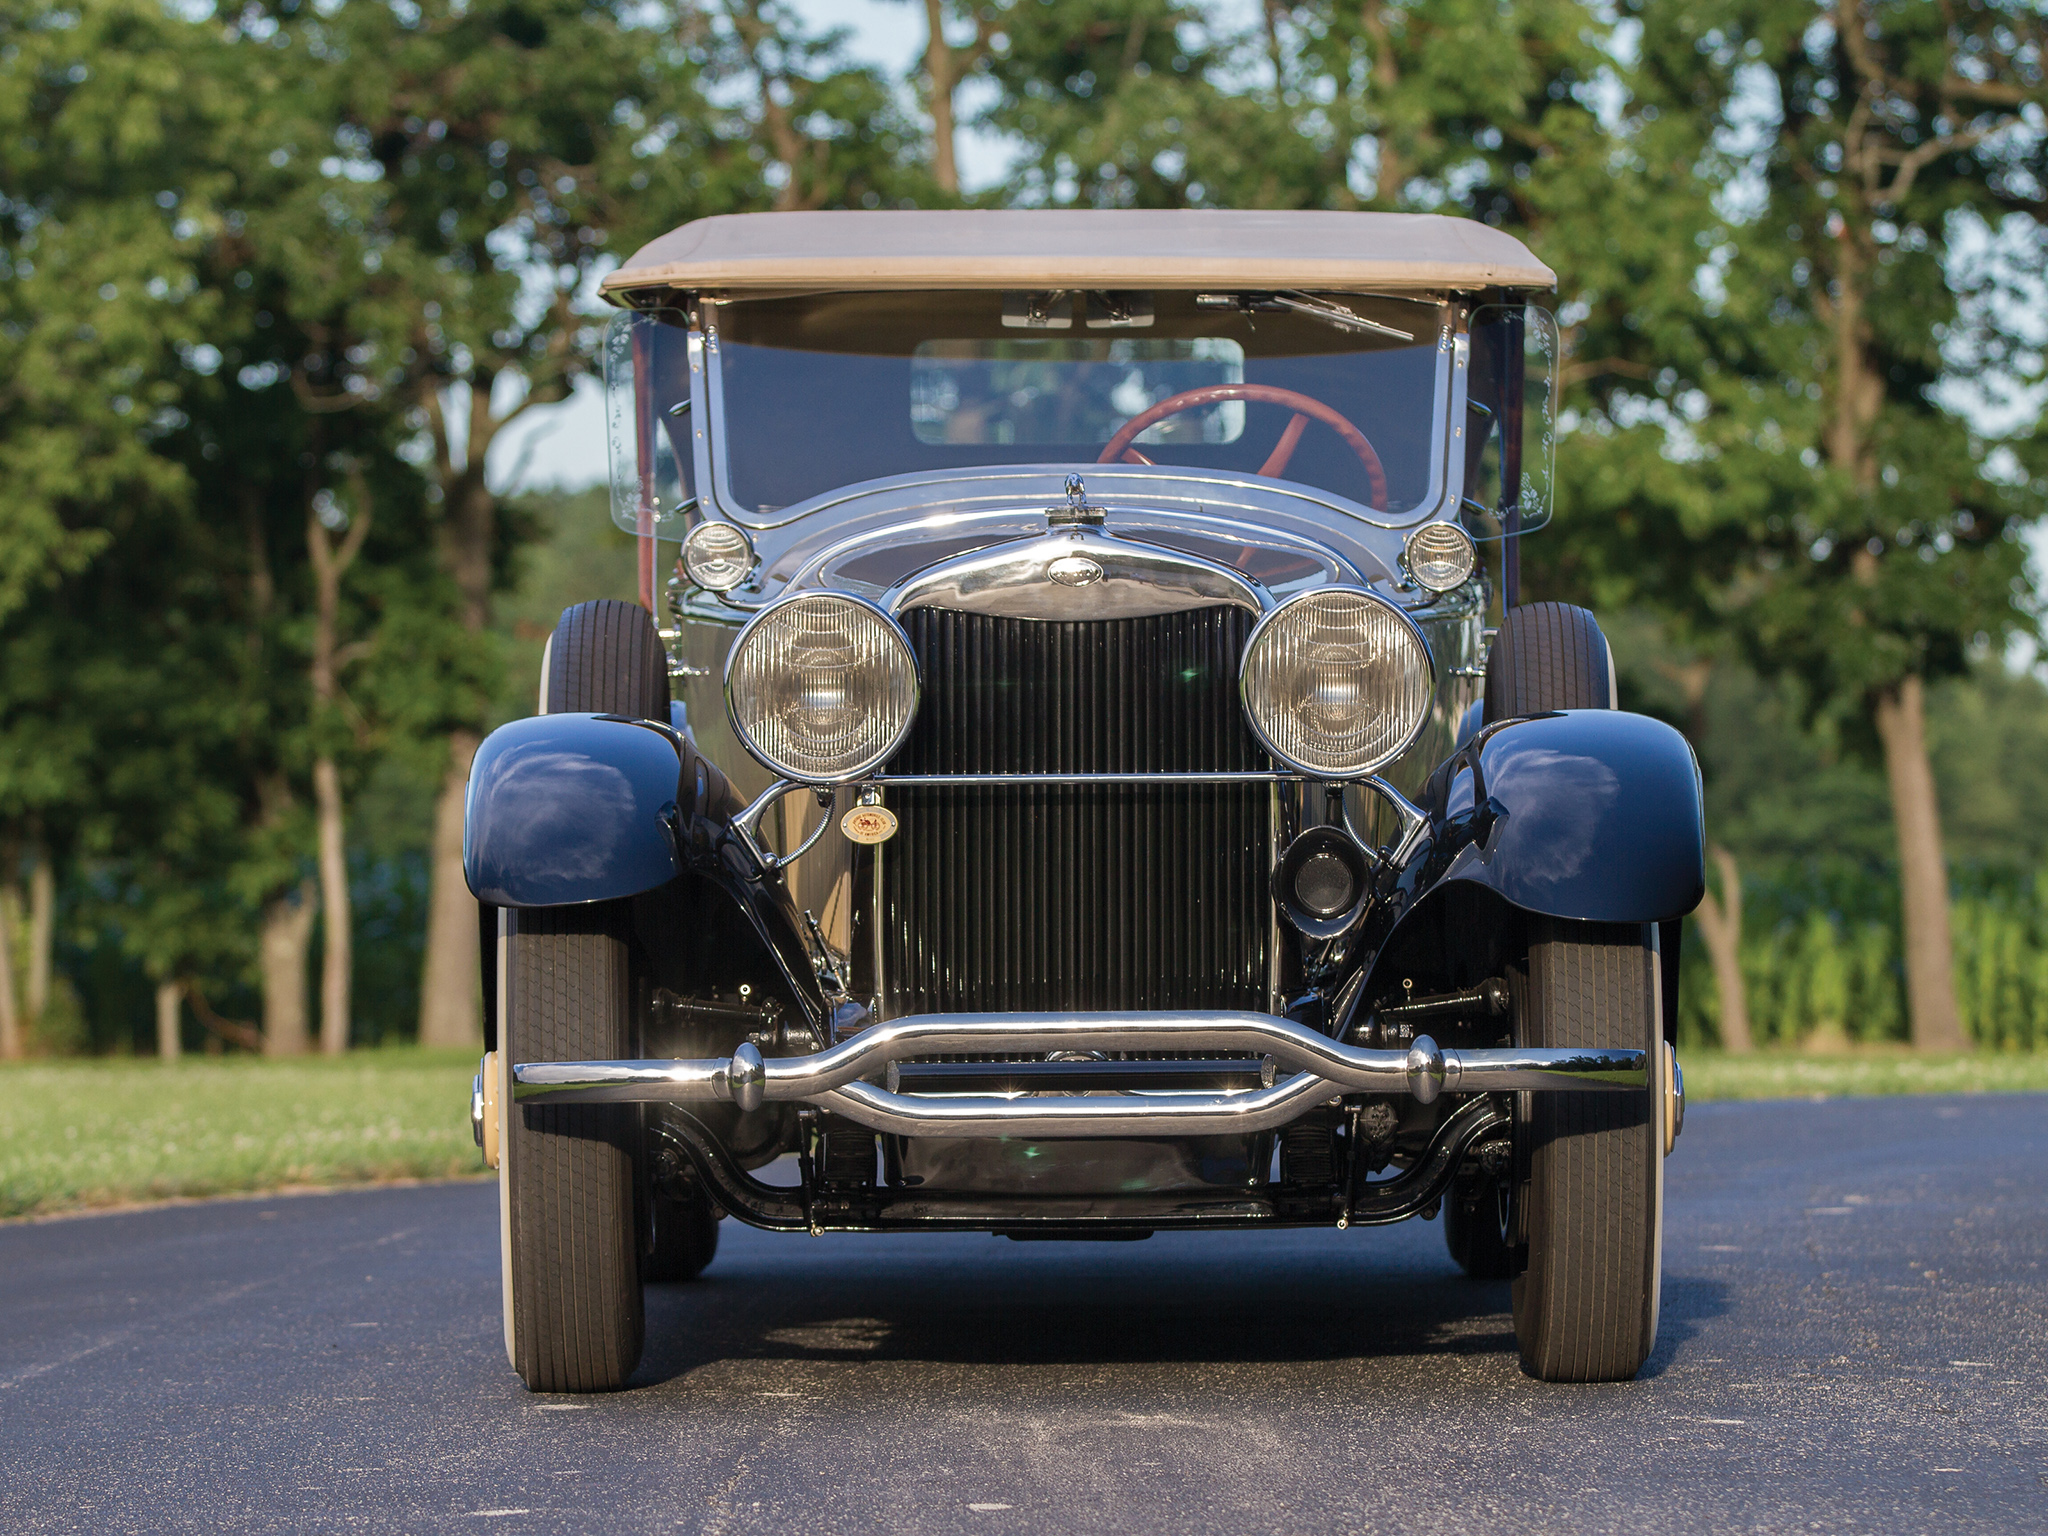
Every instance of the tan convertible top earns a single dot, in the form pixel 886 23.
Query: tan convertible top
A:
pixel 1080 248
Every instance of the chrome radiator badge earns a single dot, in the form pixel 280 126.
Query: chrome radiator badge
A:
pixel 1074 571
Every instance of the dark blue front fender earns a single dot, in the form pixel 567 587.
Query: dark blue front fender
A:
pixel 1588 814
pixel 571 808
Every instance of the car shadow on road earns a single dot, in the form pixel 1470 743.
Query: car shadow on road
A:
pixel 1111 1313
pixel 1091 1306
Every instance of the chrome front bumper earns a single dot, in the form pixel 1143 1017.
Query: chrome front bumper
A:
pixel 1321 1069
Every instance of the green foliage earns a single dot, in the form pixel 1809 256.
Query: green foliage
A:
pixel 291 265
pixel 575 553
pixel 1766 454
pixel 98 296
pixel 1710 1075
pixel 75 1136
pixel 1822 965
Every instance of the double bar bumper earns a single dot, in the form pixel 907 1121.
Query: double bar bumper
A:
pixel 1321 1069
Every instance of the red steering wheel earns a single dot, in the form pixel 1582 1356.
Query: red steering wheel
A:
pixel 1119 447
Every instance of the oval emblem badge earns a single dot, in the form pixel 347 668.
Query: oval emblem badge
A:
pixel 869 824
pixel 1074 571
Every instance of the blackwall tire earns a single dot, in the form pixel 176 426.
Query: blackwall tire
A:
pixel 683 1241
pixel 574 1319
pixel 1585 1213
pixel 1588 1203
pixel 605 658
pixel 1477 1228
pixel 1548 656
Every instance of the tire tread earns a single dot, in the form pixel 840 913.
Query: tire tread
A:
pixel 1547 656
pixel 1580 1311
pixel 608 659
pixel 578 1319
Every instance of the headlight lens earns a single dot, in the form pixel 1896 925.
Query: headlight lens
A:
pixel 1337 682
pixel 718 556
pixel 1440 556
pixel 821 687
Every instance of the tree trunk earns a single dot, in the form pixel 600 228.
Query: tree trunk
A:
pixel 336 959
pixel 330 564
pixel 42 934
pixel 942 78
pixel 287 932
pixel 1721 927
pixel 10 1016
pixel 170 996
pixel 1391 172
pixel 449 979
pixel 1923 871
pixel 448 974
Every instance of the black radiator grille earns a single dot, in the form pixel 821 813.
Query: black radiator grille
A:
pixel 1034 898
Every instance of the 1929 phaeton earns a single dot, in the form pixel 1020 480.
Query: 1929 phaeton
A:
pixel 1076 791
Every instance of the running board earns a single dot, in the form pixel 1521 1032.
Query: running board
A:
pixel 1322 1069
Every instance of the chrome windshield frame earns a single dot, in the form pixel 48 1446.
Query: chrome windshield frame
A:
pixel 1453 353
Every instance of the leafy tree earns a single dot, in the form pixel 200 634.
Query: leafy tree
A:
pixel 944 66
pixel 1775 456
pixel 98 302
pixel 489 157
pixel 1125 105
pixel 817 129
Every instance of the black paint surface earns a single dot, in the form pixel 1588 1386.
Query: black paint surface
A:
pixel 1855 1339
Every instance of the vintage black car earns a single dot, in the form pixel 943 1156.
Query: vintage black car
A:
pixel 1078 792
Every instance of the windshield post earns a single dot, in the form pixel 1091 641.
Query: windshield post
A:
pixel 644 428
pixel 1514 324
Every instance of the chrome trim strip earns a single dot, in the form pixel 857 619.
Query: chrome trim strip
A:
pixel 1018 579
pixel 1191 1114
pixel 1324 1068
pixel 969 780
pixel 1125 483
pixel 747 824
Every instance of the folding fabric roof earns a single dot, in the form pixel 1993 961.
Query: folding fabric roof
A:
pixel 744 253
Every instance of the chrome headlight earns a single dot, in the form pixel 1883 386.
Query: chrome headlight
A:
pixel 821 687
pixel 1337 682
pixel 1440 556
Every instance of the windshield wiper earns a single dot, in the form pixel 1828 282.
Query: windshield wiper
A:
pixel 1296 302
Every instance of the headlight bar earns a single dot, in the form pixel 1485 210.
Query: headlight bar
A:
pixel 1414 820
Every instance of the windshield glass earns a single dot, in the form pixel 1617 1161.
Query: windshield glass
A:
pixel 1345 393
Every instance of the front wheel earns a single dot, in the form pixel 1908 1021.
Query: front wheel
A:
pixel 573 1307
pixel 1589 1196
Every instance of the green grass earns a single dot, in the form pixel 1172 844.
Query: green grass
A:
pixel 1859 1074
pixel 81 1134
pixel 75 1135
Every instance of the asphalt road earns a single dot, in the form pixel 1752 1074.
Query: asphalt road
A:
pixel 1855 1338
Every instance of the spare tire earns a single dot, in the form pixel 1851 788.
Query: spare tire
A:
pixel 1548 656
pixel 605 658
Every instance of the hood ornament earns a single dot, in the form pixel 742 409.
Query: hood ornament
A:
pixel 1077 510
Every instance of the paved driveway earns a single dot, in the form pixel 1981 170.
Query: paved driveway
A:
pixel 1855 1338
